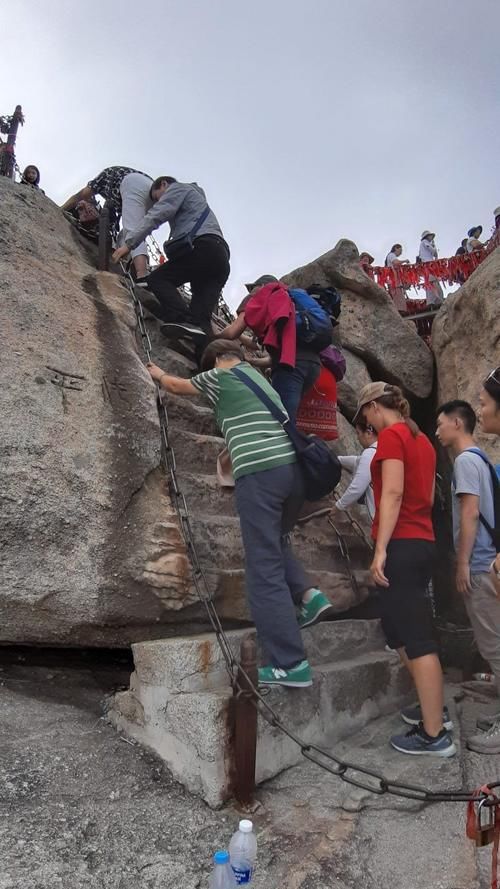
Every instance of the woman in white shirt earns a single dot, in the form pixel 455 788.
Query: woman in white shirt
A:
pixel 360 487
pixel 428 253
pixel 473 242
pixel 398 293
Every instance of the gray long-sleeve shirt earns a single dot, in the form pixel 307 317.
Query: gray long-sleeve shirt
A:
pixel 181 206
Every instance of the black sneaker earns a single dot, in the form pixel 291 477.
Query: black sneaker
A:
pixel 142 282
pixel 184 331
pixel 413 716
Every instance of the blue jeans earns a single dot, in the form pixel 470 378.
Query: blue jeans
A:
pixel 268 504
pixel 291 383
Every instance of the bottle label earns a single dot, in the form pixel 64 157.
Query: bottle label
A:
pixel 243 874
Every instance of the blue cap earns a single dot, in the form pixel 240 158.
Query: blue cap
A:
pixel 221 857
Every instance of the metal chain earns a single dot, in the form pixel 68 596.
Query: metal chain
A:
pixel 351 773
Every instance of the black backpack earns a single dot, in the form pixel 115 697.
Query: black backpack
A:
pixel 494 532
pixel 329 299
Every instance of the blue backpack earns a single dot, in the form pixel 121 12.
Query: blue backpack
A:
pixel 314 326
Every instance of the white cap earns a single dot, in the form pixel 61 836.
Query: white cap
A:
pixel 246 826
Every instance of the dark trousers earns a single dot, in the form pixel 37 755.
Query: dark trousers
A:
pixel 206 268
pixel 291 383
pixel 268 505
pixel 405 605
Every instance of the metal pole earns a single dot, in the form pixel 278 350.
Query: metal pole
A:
pixel 7 156
pixel 245 724
pixel 104 240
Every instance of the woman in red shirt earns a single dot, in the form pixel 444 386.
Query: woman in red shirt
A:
pixel 403 475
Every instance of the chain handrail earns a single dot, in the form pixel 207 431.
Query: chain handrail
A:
pixel 346 771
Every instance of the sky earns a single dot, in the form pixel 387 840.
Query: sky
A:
pixel 304 122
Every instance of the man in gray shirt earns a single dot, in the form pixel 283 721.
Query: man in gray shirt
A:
pixel 205 267
pixel 472 501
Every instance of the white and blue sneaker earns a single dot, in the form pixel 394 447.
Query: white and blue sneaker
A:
pixel 418 743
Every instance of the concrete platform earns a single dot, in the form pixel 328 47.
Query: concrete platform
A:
pixel 179 697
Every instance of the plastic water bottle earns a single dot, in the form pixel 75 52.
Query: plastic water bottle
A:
pixel 222 874
pixel 243 852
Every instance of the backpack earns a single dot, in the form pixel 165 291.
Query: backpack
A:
pixel 314 327
pixel 495 483
pixel 329 299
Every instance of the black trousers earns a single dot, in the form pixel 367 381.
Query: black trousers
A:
pixel 206 269
pixel 406 608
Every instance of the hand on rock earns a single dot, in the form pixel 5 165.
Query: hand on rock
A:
pixel 120 253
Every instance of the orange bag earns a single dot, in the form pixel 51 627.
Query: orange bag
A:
pixel 317 414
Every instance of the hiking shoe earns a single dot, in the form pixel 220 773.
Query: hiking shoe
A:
pixel 296 677
pixel 142 282
pixel 486 742
pixel 413 716
pixel 315 610
pixel 418 743
pixel 485 720
pixel 180 331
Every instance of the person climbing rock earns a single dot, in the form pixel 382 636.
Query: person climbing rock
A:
pixel 473 503
pixel 428 253
pixel 269 312
pixel 403 476
pixel 269 493
pixel 360 490
pixel 31 176
pixel 127 193
pixel 197 254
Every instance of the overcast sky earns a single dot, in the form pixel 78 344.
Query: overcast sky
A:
pixel 305 122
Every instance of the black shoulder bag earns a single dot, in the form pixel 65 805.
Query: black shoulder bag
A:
pixel 181 247
pixel 320 467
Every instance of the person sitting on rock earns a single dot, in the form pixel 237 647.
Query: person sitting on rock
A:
pixel 474 245
pixel 269 491
pixel 31 176
pixel 360 489
pixel 473 504
pixel 403 473
pixel 269 312
pixel 428 253
pixel 126 193
pixel 397 290
pixel 199 255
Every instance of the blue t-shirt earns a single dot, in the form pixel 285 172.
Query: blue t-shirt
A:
pixel 471 475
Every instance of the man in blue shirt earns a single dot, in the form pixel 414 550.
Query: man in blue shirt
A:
pixel 472 501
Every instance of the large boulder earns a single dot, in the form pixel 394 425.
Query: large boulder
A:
pixel 370 324
pixel 91 552
pixel 466 339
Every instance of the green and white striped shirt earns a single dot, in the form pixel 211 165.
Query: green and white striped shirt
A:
pixel 255 440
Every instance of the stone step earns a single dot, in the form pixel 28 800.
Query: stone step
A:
pixel 189 414
pixel 195 450
pixel 228 587
pixel 204 490
pixel 219 541
pixel 179 701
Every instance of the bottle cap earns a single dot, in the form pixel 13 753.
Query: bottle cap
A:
pixel 221 857
pixel 246 826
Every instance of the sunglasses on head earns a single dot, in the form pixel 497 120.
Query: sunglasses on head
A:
pixel 494 375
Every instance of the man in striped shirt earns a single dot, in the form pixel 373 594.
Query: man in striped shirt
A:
pixel 269 492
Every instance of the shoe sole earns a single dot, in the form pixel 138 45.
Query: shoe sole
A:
pixel 179 334
pixel 482 752
pixel 483 726
pixel 306 684
pixel 449 751
pixel 320 615
pixel 448 725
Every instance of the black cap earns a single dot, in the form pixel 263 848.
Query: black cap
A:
pixel 264 279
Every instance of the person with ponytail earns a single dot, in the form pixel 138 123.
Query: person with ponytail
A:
pixel 489 421
pixel 403 476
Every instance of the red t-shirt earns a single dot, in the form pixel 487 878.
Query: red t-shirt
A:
pixel 419 458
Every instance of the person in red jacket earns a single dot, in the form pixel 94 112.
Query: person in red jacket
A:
pixel 403 476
